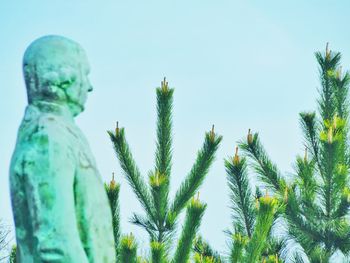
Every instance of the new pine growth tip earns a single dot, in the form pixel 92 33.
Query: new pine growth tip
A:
pixel 164 85
pixel 212 133
pixel 117 130
pixel 236 157
pixel 249 137
pixel 112 184
pixel 328 52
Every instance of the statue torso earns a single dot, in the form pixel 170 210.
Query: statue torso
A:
pixel 94 227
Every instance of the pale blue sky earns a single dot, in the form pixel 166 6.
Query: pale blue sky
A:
pixel 235 64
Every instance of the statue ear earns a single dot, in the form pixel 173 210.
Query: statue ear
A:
pixel 67 83
pixel 67 76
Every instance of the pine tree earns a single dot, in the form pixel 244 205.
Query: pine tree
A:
pixel 317 199
pixel 161 214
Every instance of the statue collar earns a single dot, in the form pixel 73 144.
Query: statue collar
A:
pixel 51 108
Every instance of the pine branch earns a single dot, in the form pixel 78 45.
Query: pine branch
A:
pixel 13 254
pixel 309 188
pixel 205 252
pixel 146 224
pixel 158 184
pixel 239 242
pixel 161 177
pixel 262 165
pixel 334 170
pixel 242 203
pixel 158 252
pixel 266 214
pixel 328 63
pixel 310 130
pixel 128 249
pixel 344 205
pixel 297 258
pixel 340 85
pixel 112 191
pixel 307 234
pixel 131 171
pixel 274 249
pixel 195 211
pixel 194 179
pixel 164 125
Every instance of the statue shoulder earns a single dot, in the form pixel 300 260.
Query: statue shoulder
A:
pixel 42 140
pixel 43 133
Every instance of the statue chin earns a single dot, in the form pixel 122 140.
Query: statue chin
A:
pixel 76 108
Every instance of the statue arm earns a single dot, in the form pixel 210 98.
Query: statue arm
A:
pixel 49 168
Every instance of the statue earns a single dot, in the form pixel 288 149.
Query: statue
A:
pixel 60 207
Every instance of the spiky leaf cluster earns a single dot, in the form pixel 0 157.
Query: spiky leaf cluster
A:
pixel 204 252
pixel 252 216
pixel 112 190
pixel 161 213
pixel 317 199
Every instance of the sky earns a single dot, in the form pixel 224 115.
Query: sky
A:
pixel 235 64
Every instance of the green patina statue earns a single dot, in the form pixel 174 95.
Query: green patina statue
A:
pixel 60 207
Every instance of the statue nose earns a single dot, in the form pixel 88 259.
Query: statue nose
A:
pixel 91 88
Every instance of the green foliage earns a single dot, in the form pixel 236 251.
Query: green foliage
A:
pixel 13 254
pixel 317 200
pixel 314 202
pixel 242 200
pixel 161 213
pixel 158 252
pixel 204 253
pixel 266 214
pixel 194 179
pixel 267 171
pixel 128 249
pixel 195 211
pixel 252 217
pixel 112 190
pixel 238 245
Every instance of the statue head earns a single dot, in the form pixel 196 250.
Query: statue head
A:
pixel 56 70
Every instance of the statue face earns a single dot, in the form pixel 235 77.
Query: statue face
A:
pixel 56 70
pixel 79 84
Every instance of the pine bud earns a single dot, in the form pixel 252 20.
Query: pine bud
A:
pixel 157 179
pixel 328 52
pixel 164 85
pixel 112 183
pixel 212 134
pixel 236 158
pixel 117 130
pixel 249 137
pixel 305 155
